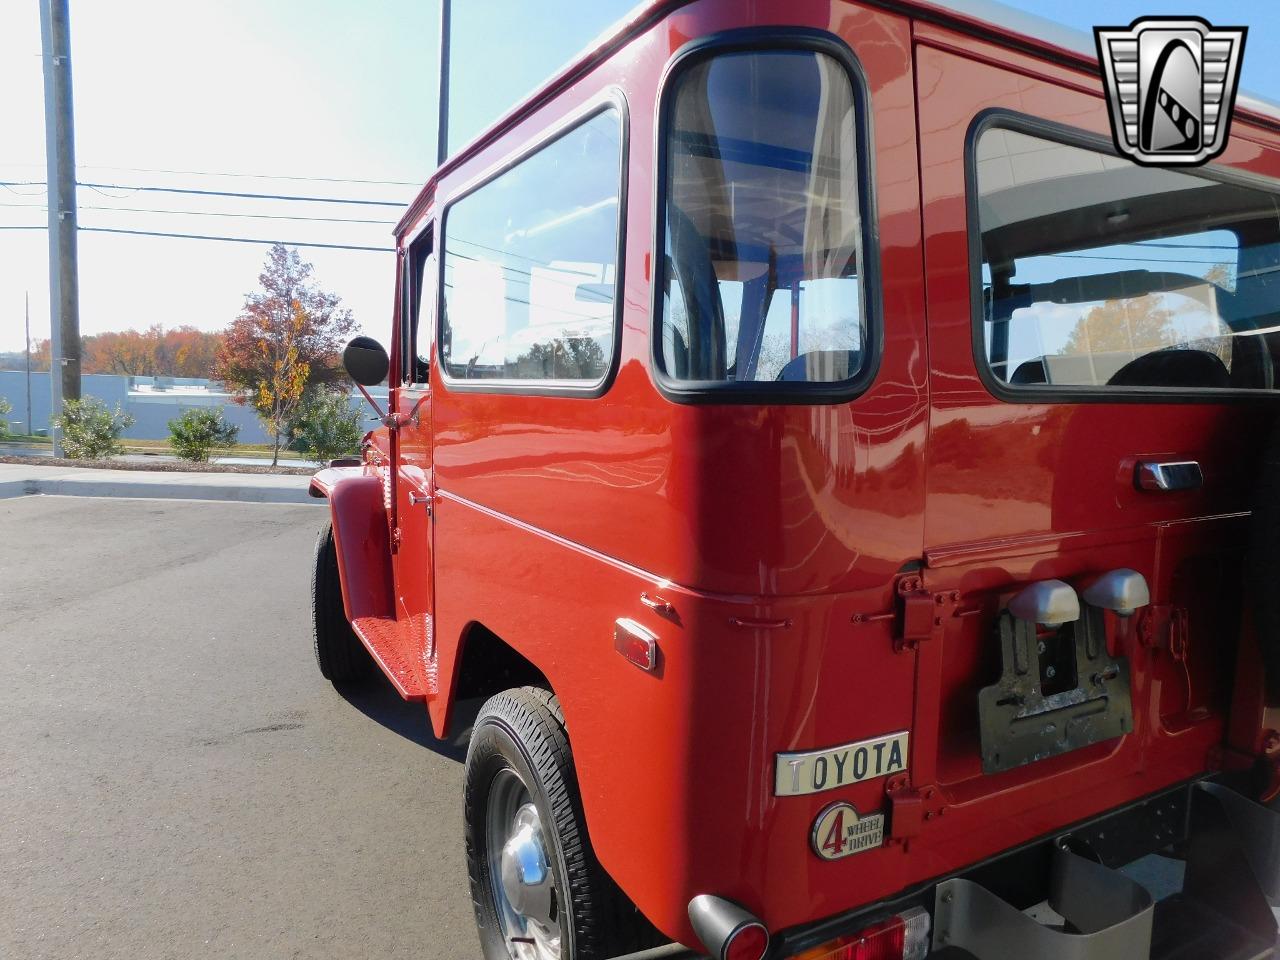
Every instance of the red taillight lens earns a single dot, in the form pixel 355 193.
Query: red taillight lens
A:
pixel 901 937
pixel 748 942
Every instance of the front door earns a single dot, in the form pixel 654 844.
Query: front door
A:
pixel 414 486
pixel 1092 324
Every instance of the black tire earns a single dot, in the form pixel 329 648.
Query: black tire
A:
pixel 340 655
pixel 522 730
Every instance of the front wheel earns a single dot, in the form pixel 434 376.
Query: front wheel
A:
pixel 538 891
pixel 340 655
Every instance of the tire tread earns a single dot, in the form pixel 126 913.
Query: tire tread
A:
pixel 339 653
pixel 606 922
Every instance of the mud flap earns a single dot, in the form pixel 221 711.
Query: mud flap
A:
pixel 1222 913
pixel 1110 917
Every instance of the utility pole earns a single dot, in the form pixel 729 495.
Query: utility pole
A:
pixel 442 127
pixel 31 430
pixel 60 151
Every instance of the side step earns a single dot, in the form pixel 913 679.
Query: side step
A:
pixel 385 639
pixel 1222 913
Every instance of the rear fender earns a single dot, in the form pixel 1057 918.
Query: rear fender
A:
pixel 361 538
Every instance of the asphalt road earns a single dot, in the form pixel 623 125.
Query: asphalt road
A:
pixel 176 779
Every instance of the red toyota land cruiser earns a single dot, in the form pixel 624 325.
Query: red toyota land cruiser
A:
pixel 837 468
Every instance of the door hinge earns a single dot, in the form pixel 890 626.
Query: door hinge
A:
pixel 910 808
pixel 917 614
pixel 1166 627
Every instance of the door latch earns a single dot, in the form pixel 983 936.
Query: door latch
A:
pixel 916 615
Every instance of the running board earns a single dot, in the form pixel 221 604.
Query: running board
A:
pixel 1223 912
pixel 384 638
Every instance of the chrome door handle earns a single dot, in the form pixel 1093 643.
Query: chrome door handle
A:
pixel 415 500
pixel 1167 476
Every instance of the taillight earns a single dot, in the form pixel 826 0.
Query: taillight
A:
pixel 747 943
pixel 901 937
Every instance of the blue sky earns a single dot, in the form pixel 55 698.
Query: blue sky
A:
pixel 303 89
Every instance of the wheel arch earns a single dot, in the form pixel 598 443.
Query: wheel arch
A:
pixel 357 508
pixel 484 664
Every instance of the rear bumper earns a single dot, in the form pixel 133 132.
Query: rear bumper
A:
pixel 1191 873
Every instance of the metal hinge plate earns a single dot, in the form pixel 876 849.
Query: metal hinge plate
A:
pixel 910 808
pixel 917 614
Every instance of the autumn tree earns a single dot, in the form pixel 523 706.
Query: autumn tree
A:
pixel 1138 325
pixel 42 355
pixel 289 335
pixel 181 351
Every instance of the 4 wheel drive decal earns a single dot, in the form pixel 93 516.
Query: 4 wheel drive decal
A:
pixel 840 832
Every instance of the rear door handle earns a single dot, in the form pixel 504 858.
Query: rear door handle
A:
pixel 1168 476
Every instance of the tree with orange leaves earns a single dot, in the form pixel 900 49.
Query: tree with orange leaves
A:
pixel 289 335
pixel 180 351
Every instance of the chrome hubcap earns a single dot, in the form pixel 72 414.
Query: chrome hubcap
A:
pixel 524 892
pixel 525 879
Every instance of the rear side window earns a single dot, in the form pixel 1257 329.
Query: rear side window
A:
pixel 1100 274
pixel 762 279
pixel 530 265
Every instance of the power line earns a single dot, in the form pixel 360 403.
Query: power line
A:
pixel 1152 260
pixel 244 176
pixel 197 236
pixel 99 187
pixel 256 176
pixel 9 185
pixel 201 236
pixel 210 213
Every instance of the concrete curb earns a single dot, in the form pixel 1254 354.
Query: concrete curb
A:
pixel 19 481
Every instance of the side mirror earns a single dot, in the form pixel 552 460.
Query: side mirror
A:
pixel 365 361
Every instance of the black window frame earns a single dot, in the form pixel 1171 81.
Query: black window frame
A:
pixel 1066 135
pixel 777 393
pixel 612 99
pixel 413 263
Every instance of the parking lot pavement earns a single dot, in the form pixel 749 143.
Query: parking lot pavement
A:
pixel 176 779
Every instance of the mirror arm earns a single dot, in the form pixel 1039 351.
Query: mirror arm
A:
pixel 389 421
pixel 393 420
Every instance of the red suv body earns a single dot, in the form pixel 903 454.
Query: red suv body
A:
pixel 769 386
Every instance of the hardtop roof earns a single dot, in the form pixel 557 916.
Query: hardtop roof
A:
pixel 995 21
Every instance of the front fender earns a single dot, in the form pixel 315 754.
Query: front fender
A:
pixel 361 537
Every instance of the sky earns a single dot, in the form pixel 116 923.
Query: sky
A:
pixel 322 96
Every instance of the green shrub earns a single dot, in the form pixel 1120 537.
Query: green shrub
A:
pixel 5 409
pixel 90 431
pixel 199 431
pixel 327 427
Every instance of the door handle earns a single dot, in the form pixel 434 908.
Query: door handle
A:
pixel 425 499
pixel 1168 476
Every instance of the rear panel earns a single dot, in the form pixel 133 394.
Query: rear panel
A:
pixel 1032 468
